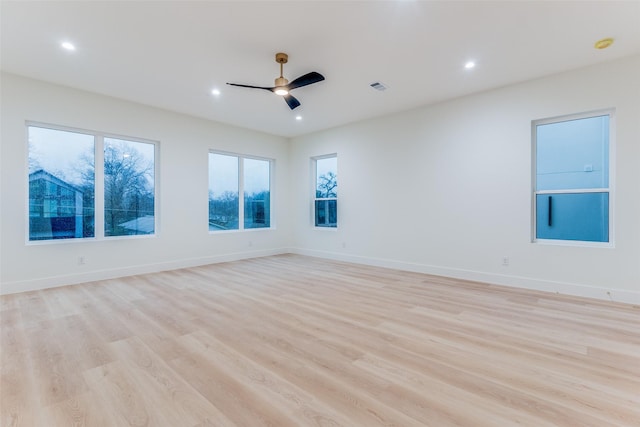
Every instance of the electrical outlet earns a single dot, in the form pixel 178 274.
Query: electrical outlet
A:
pixel 344 245
pixel 505 261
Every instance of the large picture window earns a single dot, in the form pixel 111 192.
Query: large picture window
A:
pixel 230 176
pixel 326 191
pixel 572 178
pixel 65 174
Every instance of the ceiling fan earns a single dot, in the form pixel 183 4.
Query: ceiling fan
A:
pixel 283 87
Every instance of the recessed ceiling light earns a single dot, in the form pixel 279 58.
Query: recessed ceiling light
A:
pixel 298 118
pixel 68 46
pixel 603 43
pixel 215 92
pixel 469 65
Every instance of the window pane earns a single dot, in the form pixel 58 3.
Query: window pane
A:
pixel 327 177
pixel 332 209
pixel 256 194
pixel 61 184
pixel 129 187
pixel 573 216
pixel 326 213
pixel 223 192
pixel 573 154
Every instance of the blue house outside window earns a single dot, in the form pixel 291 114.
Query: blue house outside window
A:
pixel 572 190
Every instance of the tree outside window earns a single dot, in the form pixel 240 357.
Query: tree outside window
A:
pixel 128 188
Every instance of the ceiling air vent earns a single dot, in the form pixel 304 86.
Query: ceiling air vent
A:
pixel 378 86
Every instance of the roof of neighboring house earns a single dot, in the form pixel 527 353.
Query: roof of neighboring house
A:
pixel 145 224
pixel 43 174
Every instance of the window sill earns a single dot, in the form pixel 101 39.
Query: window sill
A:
pixel 574 243
pixel 324 228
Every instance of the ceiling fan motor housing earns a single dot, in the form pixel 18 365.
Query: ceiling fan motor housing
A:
pixel 281 81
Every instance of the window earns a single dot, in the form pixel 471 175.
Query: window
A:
pixel 257 198
pixel 64 180
pixel 223 192
pixel 231 175
pixel 61 184
pixel 129 187
pixel 571 181
pixel 326 191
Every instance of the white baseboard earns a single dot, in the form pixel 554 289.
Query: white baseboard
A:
pixel 73 279
pixel 607 294
pixel 587 291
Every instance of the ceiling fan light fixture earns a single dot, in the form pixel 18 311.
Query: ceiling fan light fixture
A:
pixel 281 91
pixel 68 46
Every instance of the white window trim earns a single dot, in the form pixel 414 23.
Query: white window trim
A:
pixel 98 232
pixel 610 190
pixel 272 216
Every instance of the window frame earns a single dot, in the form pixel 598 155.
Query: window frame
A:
pixel 610 190
pixel 240 157
pixel 99 176
pixel 314 184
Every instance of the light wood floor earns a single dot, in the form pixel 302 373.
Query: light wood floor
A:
pixel 297 341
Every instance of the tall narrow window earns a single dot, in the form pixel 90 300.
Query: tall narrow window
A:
pixel 61 184
pixel 232 175
pixel 326 191
pixel 257 196
pixel 572 186
pixel 223 192
pixel 129 187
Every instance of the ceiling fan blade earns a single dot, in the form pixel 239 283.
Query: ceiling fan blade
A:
pixel 306 80
pixel 252 87
pixel 291 101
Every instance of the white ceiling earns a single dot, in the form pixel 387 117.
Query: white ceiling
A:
pixel 170 54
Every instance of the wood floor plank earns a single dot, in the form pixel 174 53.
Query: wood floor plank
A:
pixel 302 406
pixel 19 405
pixel 298 341
pixel 231 396
pixel 84 410
pixel 54 364
pixel 182 404
pixel 123 396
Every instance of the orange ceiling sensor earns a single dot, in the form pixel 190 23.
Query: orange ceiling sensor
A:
pixel 603 43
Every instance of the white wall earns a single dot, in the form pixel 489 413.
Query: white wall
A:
pixel 183 238
pixel 446 189
pixel 443 189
